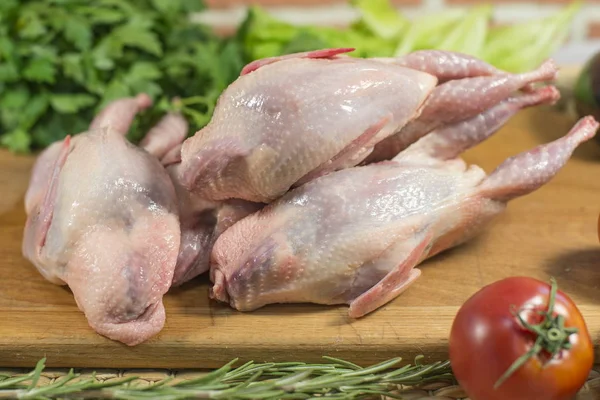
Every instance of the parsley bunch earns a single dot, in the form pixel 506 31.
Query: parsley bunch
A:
pixel 63 60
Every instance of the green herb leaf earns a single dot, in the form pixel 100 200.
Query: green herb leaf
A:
pixel 152 89
pixel 138 35
pixel 103 63
pixel 78 32
pixel 105 53
pixel 61 2
pixel 73 68
pixel 231 62
pixel 249 381
pixel 166 6
pixel 115 90
pixel 33 111
pixel 71 103
pixel 177 66
pixel 55 126
pixel 7 48
pixel 98 15
pixel 92 83
pixel 189 6
pixel 59 18
pixel 303 41
pixel 8 72
pixel 126 6
pixel 78 55
pixel 40 70
pixel 31 26
pixel 11 104
pixel 40 51
pixel 8 6
pixel 263 35
pixel 144 71
pixel 17 141
pixel 14 99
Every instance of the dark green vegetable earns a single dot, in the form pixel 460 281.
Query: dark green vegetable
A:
pixel 62 60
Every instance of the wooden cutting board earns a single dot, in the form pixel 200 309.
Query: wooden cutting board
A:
pixel 550 232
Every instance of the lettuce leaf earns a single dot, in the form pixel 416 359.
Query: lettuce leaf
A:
pixel 382 31
pixel 523 46
pixel 381 18
pixel 469 34
pixel 263 36
pixel 427 31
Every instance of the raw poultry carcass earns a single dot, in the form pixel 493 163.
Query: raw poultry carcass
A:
pixel 288 120
pixel 460 100
pixel 119 114
pixel 285 118
pixel 201 220
pixel 102 219
pixel 355 236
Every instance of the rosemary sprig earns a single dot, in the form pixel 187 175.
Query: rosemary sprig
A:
pixel 335 379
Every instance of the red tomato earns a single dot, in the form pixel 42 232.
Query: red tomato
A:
pixel 487 338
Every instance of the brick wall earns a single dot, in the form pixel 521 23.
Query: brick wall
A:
pixel 225 14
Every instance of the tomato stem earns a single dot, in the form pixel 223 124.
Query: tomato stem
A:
pixel 552 335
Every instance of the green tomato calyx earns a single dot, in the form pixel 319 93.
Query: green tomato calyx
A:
pixel 551 335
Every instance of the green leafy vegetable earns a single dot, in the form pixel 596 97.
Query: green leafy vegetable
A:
pixel 381 31
pixel 71 103
pixel 381 18
pixel 17 140
pixel 427 31
pixel 79 33
pixel 264 36
pixel 11 104
pixel 40 70
pixel 62 60
pixel 31 26
pixel 468 35
pixel 523 46
pixel 34 109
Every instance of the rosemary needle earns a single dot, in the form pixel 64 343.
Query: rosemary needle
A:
pixel 337 379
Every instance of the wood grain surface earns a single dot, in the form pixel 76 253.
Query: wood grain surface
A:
pixel 550 232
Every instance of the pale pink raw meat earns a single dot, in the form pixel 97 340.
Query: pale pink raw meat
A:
pixel 102 219
pixel 164 139
pixel 459 100
pixel 355 236
pixel 125 109
pixel 294 117
pixel 446 65
pixel 201 220
pixel 290 119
